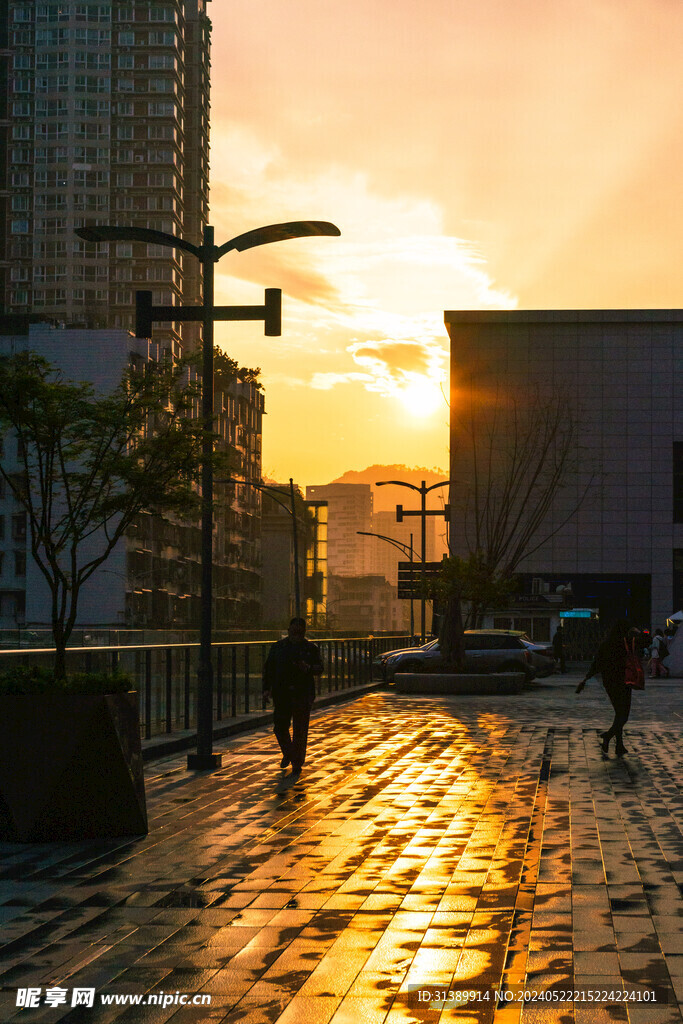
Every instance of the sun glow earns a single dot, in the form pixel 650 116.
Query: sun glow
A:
pixel 421 397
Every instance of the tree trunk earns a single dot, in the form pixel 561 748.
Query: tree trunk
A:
pixel 59 667
pixel 60 635
pixel 451 640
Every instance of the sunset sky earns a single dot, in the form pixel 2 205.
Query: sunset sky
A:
pixel 476 154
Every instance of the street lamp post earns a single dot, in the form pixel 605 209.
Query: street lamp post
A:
pixel 423 491
pixel 146 313
pixel 408 550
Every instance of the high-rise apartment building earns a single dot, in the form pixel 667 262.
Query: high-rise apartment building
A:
pixel 104 119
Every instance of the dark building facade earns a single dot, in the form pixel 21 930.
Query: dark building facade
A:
pixel 614 530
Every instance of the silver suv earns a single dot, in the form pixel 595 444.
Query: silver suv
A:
pixel 486 650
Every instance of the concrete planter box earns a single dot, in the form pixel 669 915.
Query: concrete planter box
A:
pixel 71 767
pixel 461 682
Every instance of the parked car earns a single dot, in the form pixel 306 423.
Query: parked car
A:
pixel 410 659
pixel 542 657
pixel 486 650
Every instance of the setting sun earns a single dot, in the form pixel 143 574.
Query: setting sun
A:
pixel 421 397
pixel 482 210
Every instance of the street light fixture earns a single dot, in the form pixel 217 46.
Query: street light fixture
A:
pixel 423 491
pixel 208 254
pixel 408 550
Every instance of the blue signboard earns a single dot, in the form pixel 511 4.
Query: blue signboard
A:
pixel 579 613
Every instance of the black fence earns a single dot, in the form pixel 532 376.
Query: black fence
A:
pixel 165 675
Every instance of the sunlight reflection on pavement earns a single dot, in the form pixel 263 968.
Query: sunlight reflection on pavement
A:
pixel 438 859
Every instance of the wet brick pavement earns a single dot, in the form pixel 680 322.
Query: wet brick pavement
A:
pixel 432 845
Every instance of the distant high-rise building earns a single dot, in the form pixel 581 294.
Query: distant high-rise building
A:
pixel 349 510
pixel 277 541
pixel 365 604
pixel 104 119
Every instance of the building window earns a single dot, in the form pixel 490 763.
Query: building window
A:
pixel 91 83
pixel 155 85
pixel 160 109
pixel 161 131
pixel 19 526
pixel 52 37
pixel 93 61
pixel 162 14
pixel 678 481
pixel 162 38
pixel 53 60
pixel 19 563
pixel 161 60
pixel 678 579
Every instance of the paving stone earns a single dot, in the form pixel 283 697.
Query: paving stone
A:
pixel 431 843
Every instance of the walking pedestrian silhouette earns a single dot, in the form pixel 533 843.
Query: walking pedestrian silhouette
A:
pixel 610 661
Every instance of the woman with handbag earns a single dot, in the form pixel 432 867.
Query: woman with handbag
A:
pixel 615 654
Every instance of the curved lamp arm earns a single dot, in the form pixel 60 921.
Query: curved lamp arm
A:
pixel 277 233
pixel 399 545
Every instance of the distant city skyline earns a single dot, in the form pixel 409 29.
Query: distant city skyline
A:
pixel 473 155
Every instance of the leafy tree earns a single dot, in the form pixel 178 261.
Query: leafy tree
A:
pixel 88 464
pixel 226 369
pixel 481 589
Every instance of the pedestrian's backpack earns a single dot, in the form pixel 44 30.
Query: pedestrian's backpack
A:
pixel 663 649
pixel 633 675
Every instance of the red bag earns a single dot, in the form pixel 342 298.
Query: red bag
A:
pixel 633 675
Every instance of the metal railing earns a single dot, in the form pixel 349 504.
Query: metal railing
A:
pixel 165 675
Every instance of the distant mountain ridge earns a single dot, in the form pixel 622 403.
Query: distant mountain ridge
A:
pixel 386 498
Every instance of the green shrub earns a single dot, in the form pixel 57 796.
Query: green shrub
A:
pixel 34 680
